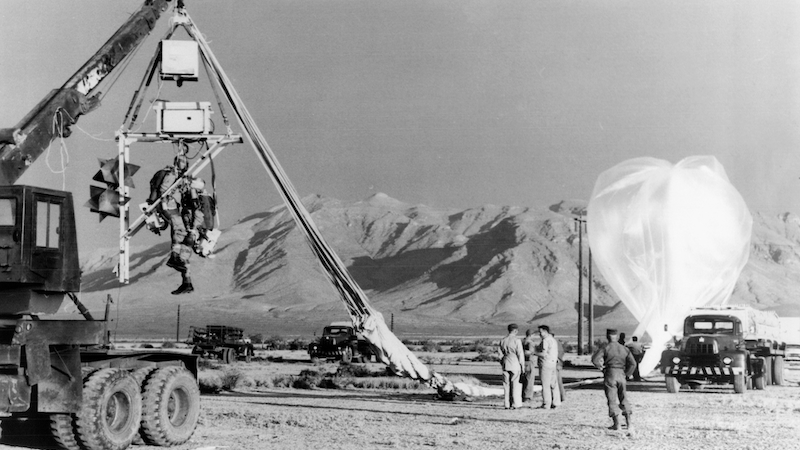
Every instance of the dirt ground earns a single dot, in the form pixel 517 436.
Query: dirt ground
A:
pixel 284 418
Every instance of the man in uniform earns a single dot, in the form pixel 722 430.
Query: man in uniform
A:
pixel 559 367
pixel 528 346
pixel 548 360
pixel 170 209
pixel 637 350
pixel 617 364
pixel 512 362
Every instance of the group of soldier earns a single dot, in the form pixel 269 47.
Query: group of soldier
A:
pixel 617 359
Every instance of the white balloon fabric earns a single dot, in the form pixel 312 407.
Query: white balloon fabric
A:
pixel 668 238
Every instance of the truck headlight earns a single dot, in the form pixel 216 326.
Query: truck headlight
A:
pixel 727 360
pixel 676 360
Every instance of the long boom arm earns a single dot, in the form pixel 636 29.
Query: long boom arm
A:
pixel 54 114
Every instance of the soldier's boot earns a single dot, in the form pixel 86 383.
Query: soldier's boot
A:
pixel 615 426
pixel 628 423
pixel 185 287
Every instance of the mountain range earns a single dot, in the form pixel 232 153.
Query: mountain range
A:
pixel 430 271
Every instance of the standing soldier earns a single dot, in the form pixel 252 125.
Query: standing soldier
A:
pixel 548 361
pixel 528 346
pixel 637 350
pixel 512 363
pixel 617 364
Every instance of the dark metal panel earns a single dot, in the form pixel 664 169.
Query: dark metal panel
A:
pixel 15 394
pixel 61 391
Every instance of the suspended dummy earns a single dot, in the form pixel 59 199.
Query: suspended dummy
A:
pixel 668 238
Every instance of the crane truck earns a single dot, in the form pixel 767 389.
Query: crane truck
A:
pixel 735 345
pixel 95 397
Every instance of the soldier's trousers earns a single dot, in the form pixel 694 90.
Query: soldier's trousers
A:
pixel 616 393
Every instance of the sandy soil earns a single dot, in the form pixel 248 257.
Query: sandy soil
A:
pixel 257 418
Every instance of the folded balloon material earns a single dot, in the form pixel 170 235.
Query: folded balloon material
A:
pixel 668 238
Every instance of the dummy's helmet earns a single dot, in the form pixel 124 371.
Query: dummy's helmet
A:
pixel 198 183
pixel 181 163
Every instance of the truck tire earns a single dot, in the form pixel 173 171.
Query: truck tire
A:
pixel 673 385
pixel 225 355
pixel 110 412
pixel 777 370
pixel 739 384
pixel 768 370
pixel 347 355
pixel 171 407
pixel 62 427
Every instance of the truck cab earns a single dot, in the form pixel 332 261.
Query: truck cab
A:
pixel 38 250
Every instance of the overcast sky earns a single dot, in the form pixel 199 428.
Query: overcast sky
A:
pixel 446 103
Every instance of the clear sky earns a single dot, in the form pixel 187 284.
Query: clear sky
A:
pixel 449 103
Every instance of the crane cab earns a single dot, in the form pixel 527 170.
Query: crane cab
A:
pixel 38 250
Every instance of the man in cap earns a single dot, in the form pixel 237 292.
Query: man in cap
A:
pixel 512 362
pixel 548 362
pixel 637 350
pixel 617 364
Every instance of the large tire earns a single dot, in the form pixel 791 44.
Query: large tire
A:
pixel 110 412
pixel 768 370
pixel 227 355
pixel 62 427
pixel 673 385
pixel 739 384
pixel 347 355
pixel 171 407
pixel 141 375
pixel 777 370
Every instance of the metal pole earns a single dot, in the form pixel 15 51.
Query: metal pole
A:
pixel 591 306
pixel 580 288
pixel 178 327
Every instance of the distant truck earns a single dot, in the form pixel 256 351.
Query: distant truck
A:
pixel 790 330
pixel 221 342
pixel 726 345
pixel 340 341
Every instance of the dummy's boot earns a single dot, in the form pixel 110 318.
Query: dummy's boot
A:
pixel 185 287
pixel 615 426
pixel 628 423
pixel 176 263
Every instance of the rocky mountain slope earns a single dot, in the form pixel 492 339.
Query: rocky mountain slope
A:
pixel 431 271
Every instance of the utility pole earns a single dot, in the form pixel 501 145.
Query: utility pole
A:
pixel 178 327
pixel 591 307
pixel 579 224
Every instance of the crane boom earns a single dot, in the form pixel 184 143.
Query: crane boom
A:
pixel 54 114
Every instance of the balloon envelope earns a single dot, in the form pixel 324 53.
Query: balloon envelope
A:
pixel 668 238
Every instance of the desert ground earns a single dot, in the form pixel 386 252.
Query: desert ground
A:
pixel 252 416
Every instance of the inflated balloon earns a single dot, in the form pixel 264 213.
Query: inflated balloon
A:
pixel 668 238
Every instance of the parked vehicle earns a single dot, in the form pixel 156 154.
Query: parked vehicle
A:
pixel 221 342
pixel 340 341
pixel 726 345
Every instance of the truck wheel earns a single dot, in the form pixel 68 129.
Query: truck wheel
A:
pixel 739 384
pixel 347 355
pixel 110 411
pixel 225 355
pixel 171 407
pixel 759 382
pixel 62 427
pixel 768 370
pixel 673 385
pixel 777 370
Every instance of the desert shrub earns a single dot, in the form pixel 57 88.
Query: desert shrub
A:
pixel 353 370
pixel 486 342
pixel 284 381
pixel 568 348
pixel 297 344
pixel 169 344
pixel 459 347
pixel 231 377
pixel 308 379
pixel 275 343
pixel 210 382
pixel 431 346
pixel 208 364
pixel 486 354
